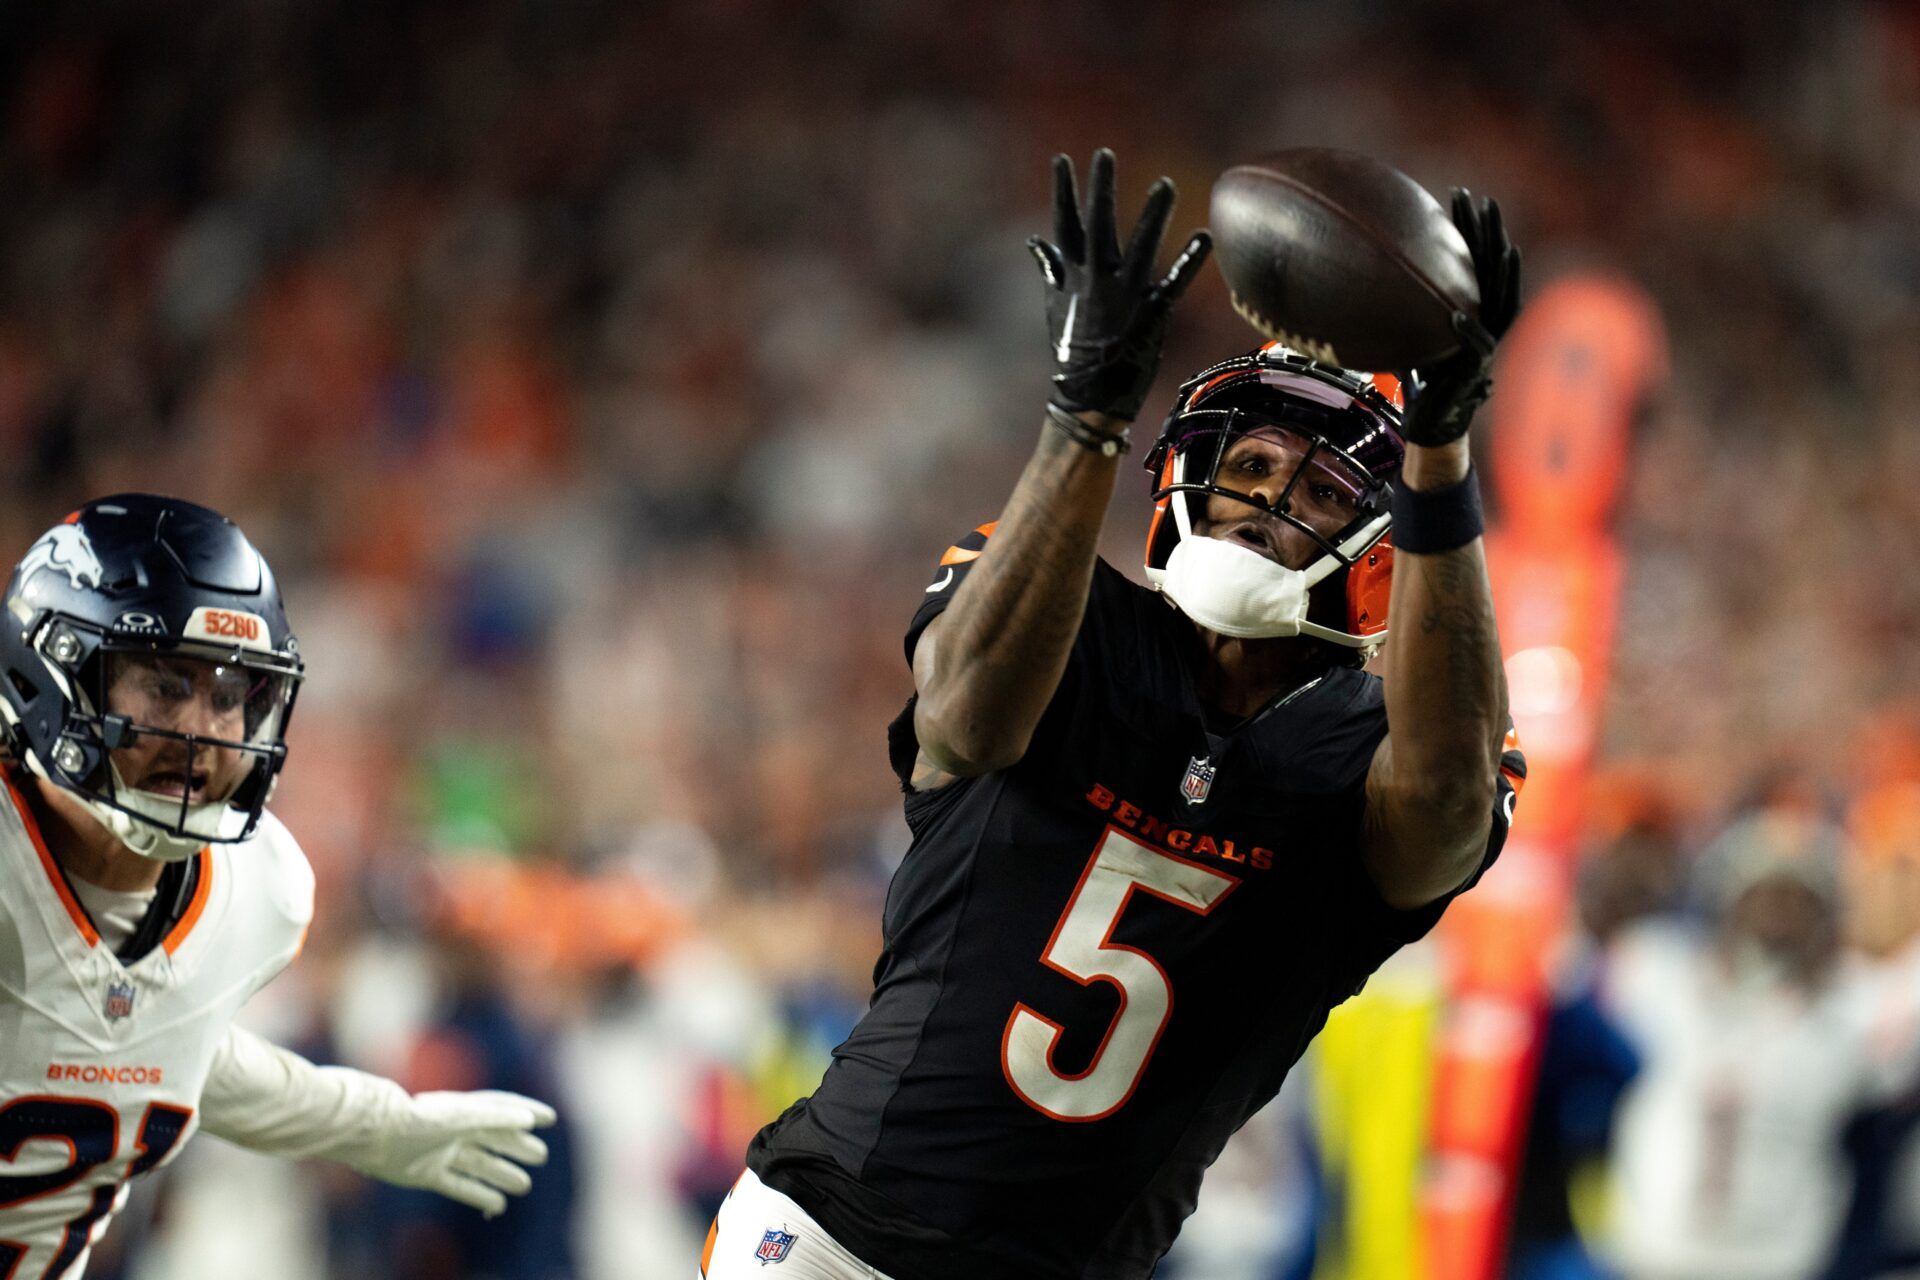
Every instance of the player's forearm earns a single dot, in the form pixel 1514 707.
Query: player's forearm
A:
pixel 986 671
pixel 1446 692
pixel 266 1098
pixel 986 668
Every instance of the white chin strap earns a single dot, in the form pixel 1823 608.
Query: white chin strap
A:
pixel 1235 591
pixel 145 835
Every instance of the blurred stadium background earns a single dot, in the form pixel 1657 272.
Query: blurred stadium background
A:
pixel 602 378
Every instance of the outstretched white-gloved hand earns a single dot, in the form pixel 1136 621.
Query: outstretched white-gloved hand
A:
pixel 468 1147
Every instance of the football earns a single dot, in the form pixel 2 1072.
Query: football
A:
pixel 1342 257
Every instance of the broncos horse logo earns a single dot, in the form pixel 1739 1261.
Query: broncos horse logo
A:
pixel 66 550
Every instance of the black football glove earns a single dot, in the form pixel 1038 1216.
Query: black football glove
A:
pixel 1106 313
pixel 1444 398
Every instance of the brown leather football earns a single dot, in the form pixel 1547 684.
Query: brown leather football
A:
pixel 1343 258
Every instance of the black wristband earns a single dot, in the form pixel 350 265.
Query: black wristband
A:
pixel 1426 522
pixel 1109 446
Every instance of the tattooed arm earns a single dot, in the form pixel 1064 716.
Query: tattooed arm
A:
pixel 1431 787
pixel 986 668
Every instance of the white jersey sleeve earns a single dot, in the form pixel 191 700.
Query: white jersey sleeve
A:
pixel 102 1063
pixel 266 1098
pixel 469 1146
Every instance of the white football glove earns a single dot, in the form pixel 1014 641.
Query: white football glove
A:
pixel 463 1145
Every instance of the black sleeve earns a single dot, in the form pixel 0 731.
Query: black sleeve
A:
pixel 1378 929
pixel 1074 711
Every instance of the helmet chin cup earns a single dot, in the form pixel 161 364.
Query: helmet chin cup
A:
pixel 1234 590
pixel 144 838
pixel 144 831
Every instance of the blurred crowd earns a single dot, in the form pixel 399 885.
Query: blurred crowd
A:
pixel 603 380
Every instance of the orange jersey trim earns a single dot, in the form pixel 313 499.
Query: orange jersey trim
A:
pixel 713 1232
pixel 1508 747
pixel 59 881
pixel 960 555
pixel 202 889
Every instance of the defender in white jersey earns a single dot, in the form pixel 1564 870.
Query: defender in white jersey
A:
pixel 147 672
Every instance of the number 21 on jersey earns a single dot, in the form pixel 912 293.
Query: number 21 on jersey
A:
pixel 1082 948
pixel 90 1130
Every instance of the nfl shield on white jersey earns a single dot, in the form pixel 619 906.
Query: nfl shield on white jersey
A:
pixel 101 1063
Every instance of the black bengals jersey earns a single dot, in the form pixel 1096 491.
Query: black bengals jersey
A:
pixel 1098 963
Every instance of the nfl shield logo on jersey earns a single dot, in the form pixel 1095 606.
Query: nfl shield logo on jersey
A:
pixel 774 1246
pixel 1199 779
pixel 119 1000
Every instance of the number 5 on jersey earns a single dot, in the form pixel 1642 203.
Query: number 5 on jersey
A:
pixel 1082 948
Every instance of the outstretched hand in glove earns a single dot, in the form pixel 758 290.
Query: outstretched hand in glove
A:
pixel 1107 309
pixel 1443 399
pixel 470 1147
pixel 466 1146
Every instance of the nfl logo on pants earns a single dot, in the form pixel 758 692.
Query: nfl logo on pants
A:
pixel 774 1246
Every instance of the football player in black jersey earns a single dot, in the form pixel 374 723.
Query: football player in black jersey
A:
pixel 1158 833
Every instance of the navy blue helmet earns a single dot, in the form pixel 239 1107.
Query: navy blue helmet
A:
pixel 146 633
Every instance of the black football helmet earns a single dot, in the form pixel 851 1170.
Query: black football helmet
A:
pixel 138 583
pixel 1346 426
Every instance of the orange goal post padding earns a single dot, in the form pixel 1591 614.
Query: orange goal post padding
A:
pixel 1572 379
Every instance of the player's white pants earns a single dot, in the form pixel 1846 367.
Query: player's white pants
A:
pixel 754 1216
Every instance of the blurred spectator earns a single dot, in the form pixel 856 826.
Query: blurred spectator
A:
pixel 474 1040
pixel 1883 1228
pixel 1755 1042
pixel 1632 880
